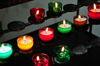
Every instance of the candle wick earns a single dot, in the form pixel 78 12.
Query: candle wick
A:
pixel 25 41
pixel 95 10
pixel 64 25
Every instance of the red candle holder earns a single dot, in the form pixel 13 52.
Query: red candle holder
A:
pixel 94 12
pixel 46 34
pixel 80 20
pixel 40 59
pixel 37 15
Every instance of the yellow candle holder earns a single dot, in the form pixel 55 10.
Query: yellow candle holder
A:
pixel 25 42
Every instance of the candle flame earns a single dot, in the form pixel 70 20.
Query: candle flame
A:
pixel 94 6
pixel 56 5
pixel 37 58
pixel 46 29
pixel 24 38
pixel 37 12
pixel 62 49
pixel 2 46
pixel 79 16
pixel 64 21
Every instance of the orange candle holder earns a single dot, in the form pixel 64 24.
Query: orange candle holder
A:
pixel 25 42
pixel 80 20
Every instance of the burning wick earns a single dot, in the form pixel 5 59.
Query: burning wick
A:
pixel 46 30
pixel 62 49
pixel 37 58
pixel 56 5
pixel 94 6
pixel 24 39
pixel 2 46
pixel 64 22
pixel 79 17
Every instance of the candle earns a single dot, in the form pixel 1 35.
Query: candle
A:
pixel 62 54
pixel 46 34
pixel 55 8
pixel 40 59
pixel 94 11
pixel 64 27
pixel 37 14
pixel 25 42
pixel 5 50
pixel 80 20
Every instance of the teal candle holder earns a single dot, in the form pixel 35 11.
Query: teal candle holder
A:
pixel 62 54
pixel 5 50
pixel 55 8
pixel 64 28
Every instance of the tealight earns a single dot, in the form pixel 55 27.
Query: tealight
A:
pixel 46 34
pixel 25 42
pixel 62 54
pixel 40 59
pixel 80 20
pixel 5 50
pixel 64 26
pixel 94 11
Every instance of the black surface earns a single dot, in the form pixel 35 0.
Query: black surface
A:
pixel 70 7
pixel 16 26
pixel 92 57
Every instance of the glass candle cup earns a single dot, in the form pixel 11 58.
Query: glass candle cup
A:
pixel 94 11
pixel 46 34
pixel 40 59
pixel 55 8
pixel 62 54
pixel 37 14
pixel 25 42
pixel 80 20
pixel 5 50
pixel 64 27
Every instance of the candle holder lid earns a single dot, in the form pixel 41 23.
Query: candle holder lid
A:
pixel 16 26
pixel 70 7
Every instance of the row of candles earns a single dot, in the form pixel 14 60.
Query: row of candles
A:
pixel 26 42
pixel 37 14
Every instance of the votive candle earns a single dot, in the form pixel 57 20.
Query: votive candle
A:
pixel 25 42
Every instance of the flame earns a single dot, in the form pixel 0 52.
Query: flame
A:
pixel 37 12
pixel 94 5
pixel 46 29
pixel 37 58
pixel 79 16
pixel 2 46
pixel 24 38
pixel 64 21
pixel 62 49
pixel 56 5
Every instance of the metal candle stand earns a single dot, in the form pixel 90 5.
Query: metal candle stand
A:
pixel 18 25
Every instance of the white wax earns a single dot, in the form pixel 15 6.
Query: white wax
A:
pixel 80 19
pixel 46 32
pixel 4 49
pixel 25 41
pixel 64 25
pixel 95 10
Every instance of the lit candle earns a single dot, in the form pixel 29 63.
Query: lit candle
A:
pixel 64 27
pixel 5 50
pixel 55 8
pixel 40 59
pixel 46 34
pixel 94 11
pixel 62 54
pixel 37 14
pixel 80 20
pixel 25 42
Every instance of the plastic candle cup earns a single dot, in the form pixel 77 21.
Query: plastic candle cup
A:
pixel 5 50
pixel 40 59
pixel 55 8
pixel 62 54
pixel 46 34
pixel 64 27
pixel 80 20
pixel 37 14
pixel 94 11
pixel 25 42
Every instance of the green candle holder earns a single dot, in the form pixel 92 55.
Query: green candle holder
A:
pixel 64 29
pixel 5 50
pixel 62 54
pixel 55 8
